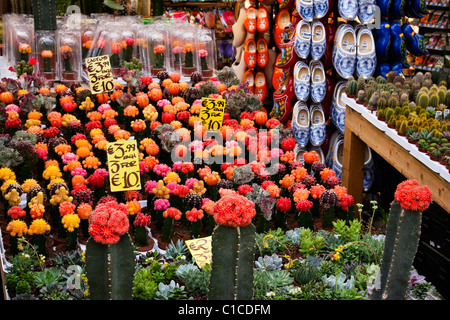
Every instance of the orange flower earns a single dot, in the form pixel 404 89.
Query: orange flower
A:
pixel 316 191
pixel 72 165
pixel 94 116
pixel 36 115
pixel 340 191
pixel 325 173
pixel 152 149
pixel 84 152
pixel 66 207
pixel 177 99
pixel 134 207
pixel 188 48
pixel 288 157
pixel 287 181
pixel 274 190
pixel 212 179
pixel 138 125
pixel 159 49
pixel 311 157
pixel 91 162
pixel 299 173
pixel 151 162
pixel 78 179
pixel 84 210
pixel 116 48
pixel 301 194
pixel 62 148
pixel 131 111
pixel 47 54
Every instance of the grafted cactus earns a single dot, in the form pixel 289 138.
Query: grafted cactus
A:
pixel 402 240
pixel 232 263
pixel 233 242
pixel 110 269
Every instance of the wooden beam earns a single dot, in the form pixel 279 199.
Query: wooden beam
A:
pixel 393 153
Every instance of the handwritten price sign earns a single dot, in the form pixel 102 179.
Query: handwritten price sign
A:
pixel 100 74
pixel 201 250
pixel 123 165
pixel 211 113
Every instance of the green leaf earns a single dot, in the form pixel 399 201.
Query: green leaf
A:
pixel 113 5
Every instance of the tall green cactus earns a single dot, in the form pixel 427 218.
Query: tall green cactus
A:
pixel 400 247
pixel 232 263
pixel 110 269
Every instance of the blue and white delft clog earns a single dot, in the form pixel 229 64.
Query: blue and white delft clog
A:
pixel 344 51
pixel 320 8
pixel 337 110
pixel 348 9
pixel 318 40
pixel 318 81
pixel 305 9
pixel 366 10
pixel 301 123
pixel 366 57
pixel 302 81
pixel 318 127
pixel 302 40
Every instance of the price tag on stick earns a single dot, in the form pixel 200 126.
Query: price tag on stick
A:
pixel 211 113
pixel 200 249
pixel 100 74
pixel 123 165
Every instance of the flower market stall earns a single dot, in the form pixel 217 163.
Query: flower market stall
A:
pixel 139 161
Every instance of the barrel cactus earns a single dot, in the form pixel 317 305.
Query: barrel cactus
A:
pixel 402 240
pixel 423 100
pixel 351 87
pixel 110 259
pixel 233 241
pixel 434 100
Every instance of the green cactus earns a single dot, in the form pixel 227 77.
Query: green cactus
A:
pixel 381 79
pixel 232 263
pixel 427 83
pixel 369 91
pixel 434 100
pixel 400 247
pixel 441 95
pixel 381 113
pixel 381 103
pixel 393 101
pixel 423 100
pixel 403 127
pixel 361 84
pixel 351 87
pixel 110 269
pixel 389 112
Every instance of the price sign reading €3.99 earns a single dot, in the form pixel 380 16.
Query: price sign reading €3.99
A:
pixel 123 165
pixel 100 74
pixel 211 113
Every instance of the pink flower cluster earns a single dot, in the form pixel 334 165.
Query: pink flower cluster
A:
pixel 108 222
pixel 411 196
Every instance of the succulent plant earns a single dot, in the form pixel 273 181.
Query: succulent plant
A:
pixel 269 263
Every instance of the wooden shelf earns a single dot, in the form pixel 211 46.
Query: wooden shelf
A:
pixel 361 128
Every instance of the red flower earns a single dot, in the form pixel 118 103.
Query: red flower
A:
pixel 109 122
pixel 69 107
pixel 172 213
pixel 13 123
pixel 411 196
pixel 183 115
pixel 345 201
pixel 11 69
pixel 96 180
pixel 288 144
pixel 129 41
pixel 167 117
pixel 50 132
pixel 32 61
pixel 77 136
pixel 16 212
pixel 93 125
pixel 142 220
pixel 283 204
pixel 181 191
pixel 194 215
pixel 244 189
pixel 146 80
pixel 234 211
pixel 304 205
pixel 108 222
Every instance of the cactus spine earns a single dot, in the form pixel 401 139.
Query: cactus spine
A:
pixel 110 269
pixel 400 247
pixel 434 100
pixel 232 263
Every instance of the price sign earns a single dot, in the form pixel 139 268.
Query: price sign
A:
pixel 200 249
pixel 211 113
pixel 123 165
pixel 100 74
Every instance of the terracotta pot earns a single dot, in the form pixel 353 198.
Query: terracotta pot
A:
pixel 154 72
pixel 188 71
pixel 69 76
pixel 207 73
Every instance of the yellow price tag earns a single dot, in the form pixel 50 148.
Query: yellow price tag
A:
pixel 200 249
pixel 100 74
pixel 211 113
pixel 123 165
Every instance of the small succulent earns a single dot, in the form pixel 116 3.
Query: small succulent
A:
pixel 269 263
